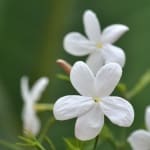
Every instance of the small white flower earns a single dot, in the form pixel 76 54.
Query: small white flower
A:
pixel 31 123
pixel 94 102
pixel 140 139
pixel 98 44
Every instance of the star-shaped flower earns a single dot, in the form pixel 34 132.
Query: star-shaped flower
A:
pixel 98 44
pixel 94 102
pixel 140 139
pixel 31 123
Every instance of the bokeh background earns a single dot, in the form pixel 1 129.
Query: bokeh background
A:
pixel 31 37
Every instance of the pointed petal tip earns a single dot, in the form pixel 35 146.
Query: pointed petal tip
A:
pixel 147 117
pixel 24 85
pixel 45 80
pixel 41 84
pixel 88 11
pixel 125 27
pixel 92 26
pixel 121 27
pixel 38 88
pixel 148 109
pixel 24 77
pixel 24 80
pixel 113 32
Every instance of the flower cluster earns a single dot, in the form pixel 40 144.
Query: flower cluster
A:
pixel 98 44
pixel 94 80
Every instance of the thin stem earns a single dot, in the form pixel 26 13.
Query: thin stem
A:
pixel 63 77
pixel 50 143
pixel 39 146
pixel 49 123
pixel 141 84
pixel 96 142
pixel 121 87
pixel 43 107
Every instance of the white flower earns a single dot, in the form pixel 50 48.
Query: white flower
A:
pixel 94 102
pixel 98 43
pixel 140 139
pixel 31 123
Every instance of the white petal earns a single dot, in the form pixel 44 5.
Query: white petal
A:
pixel 139 140
pixel 147 117
pixel 38 88
pixel 82 79
pixel 25 89
pixel 112 33
pixel 92 26
pixel 118 110
pixel 89 125
pixel 107 78
pixel 95 61
pixel 68 107
pixel 113 54
pixel 77 45
pixel 31 123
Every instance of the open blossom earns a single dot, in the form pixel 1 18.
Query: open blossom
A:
pixel 98 44
pixel 140 139
pixel 94 101
pixel 31 123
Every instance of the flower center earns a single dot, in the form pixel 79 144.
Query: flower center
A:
pixel 96 99
pixel 99 45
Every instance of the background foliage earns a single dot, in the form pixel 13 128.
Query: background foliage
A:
pixel 31 35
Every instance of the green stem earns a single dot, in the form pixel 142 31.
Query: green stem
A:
pixel 142 83
pixel 63 77
pixel 39 146
pixel 43 107
pixel 121 87
pixel 49 123
pixel 96 142
pixel 50 143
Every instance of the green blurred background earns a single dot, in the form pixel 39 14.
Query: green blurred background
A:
pixel 31 35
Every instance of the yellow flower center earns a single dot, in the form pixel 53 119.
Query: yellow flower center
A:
pixel 99 45
pixel 96 99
